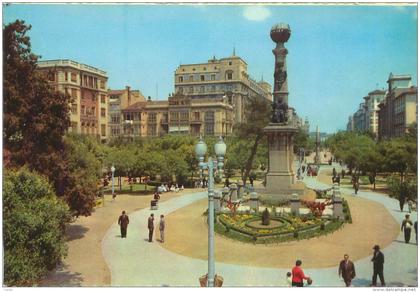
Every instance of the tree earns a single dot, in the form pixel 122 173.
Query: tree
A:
pixel 84 171
pixel 372 161
pixel 400 155
pixel 256 118
pixel 36 117
pixel 34 221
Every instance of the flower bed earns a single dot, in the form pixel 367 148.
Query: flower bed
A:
pixel 291 227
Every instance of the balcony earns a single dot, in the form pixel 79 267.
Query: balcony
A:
pixel 196 121
pixel 88 117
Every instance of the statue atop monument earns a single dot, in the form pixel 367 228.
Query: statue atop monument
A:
pixel 279 111
pixel 280 34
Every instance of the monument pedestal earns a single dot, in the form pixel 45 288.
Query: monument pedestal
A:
pixel 280 178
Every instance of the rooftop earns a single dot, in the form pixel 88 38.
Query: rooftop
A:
pixel 71 63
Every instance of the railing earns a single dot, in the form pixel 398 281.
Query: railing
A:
pixel 72 64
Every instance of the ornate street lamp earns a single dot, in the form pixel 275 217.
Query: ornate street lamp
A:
pixel 211 165
pixel 112 171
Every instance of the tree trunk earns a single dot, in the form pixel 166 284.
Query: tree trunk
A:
pixel 248 166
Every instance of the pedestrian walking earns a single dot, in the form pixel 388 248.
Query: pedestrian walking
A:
pixel 334 172
pixel 150 226
pixel 415 229
pixel 162 228
pixel 298 275
pixel 346 270
pixel 123 222
pixel 356 186
pixel 406 226
pixel 378 266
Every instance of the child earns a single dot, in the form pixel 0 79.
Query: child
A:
pixel 289 279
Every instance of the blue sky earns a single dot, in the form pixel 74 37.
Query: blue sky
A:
pixel 337 54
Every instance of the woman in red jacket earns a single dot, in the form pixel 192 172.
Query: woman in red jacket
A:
pixel 298 276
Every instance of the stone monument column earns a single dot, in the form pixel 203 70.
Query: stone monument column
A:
pixel 280 132
pixel 317 154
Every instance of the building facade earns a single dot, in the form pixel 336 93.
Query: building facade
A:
pixel 118 100
pixel 218 78
pixel 372 101
pixel 390 113
pixel 398 110
pixel 180 114
pixel 87 86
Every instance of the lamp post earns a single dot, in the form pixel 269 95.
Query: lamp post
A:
pixel 112 171
pixel 211 165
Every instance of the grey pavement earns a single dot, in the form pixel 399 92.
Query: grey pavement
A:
pixel 134 261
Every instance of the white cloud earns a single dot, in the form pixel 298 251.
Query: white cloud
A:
pixel 256 13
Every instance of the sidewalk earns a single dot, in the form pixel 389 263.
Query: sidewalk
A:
pixel 136 262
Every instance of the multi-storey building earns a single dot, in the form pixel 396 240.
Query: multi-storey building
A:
pixel 218 78
pixel 87 86
pixel 359 118
pixel 180 114
pixel 118 100
pixel 398 110
pixel 350 124
pixel 371 107
pixel 388 113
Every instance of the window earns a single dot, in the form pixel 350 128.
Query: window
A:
pixel 83 111
pixel 103 130
pixel 209 123
pixel 174 116
pixel 102 84
pixel 193 69
pixel 230 63
pixel 229 76
pixel 93 111
pixel 191 78
pixel 85 80
pixel 184 116
pixel 204 68
pixel 73 77
pixel 191 89
pixel 51 76
pixel 103 112
pixel 65 76
pixel 103 98
pixel 151 130
pixel 213 77
pixel 213 88
pixel 128 117
pixel 202 77
pixel 180 90
pixel 95 82
pixel 196 116
pixel 151 118
pixel 74 108
pixel 201 89
pixel 90 81
pixel 115 119
pixel 180 79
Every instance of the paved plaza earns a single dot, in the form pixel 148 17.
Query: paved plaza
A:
pixel 136 262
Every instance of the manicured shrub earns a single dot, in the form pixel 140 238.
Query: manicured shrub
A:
pixel 34 221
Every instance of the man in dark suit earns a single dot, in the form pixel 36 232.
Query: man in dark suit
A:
pixel 123 222
pixel 378 265
pixel 150 226
pixel 347 270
